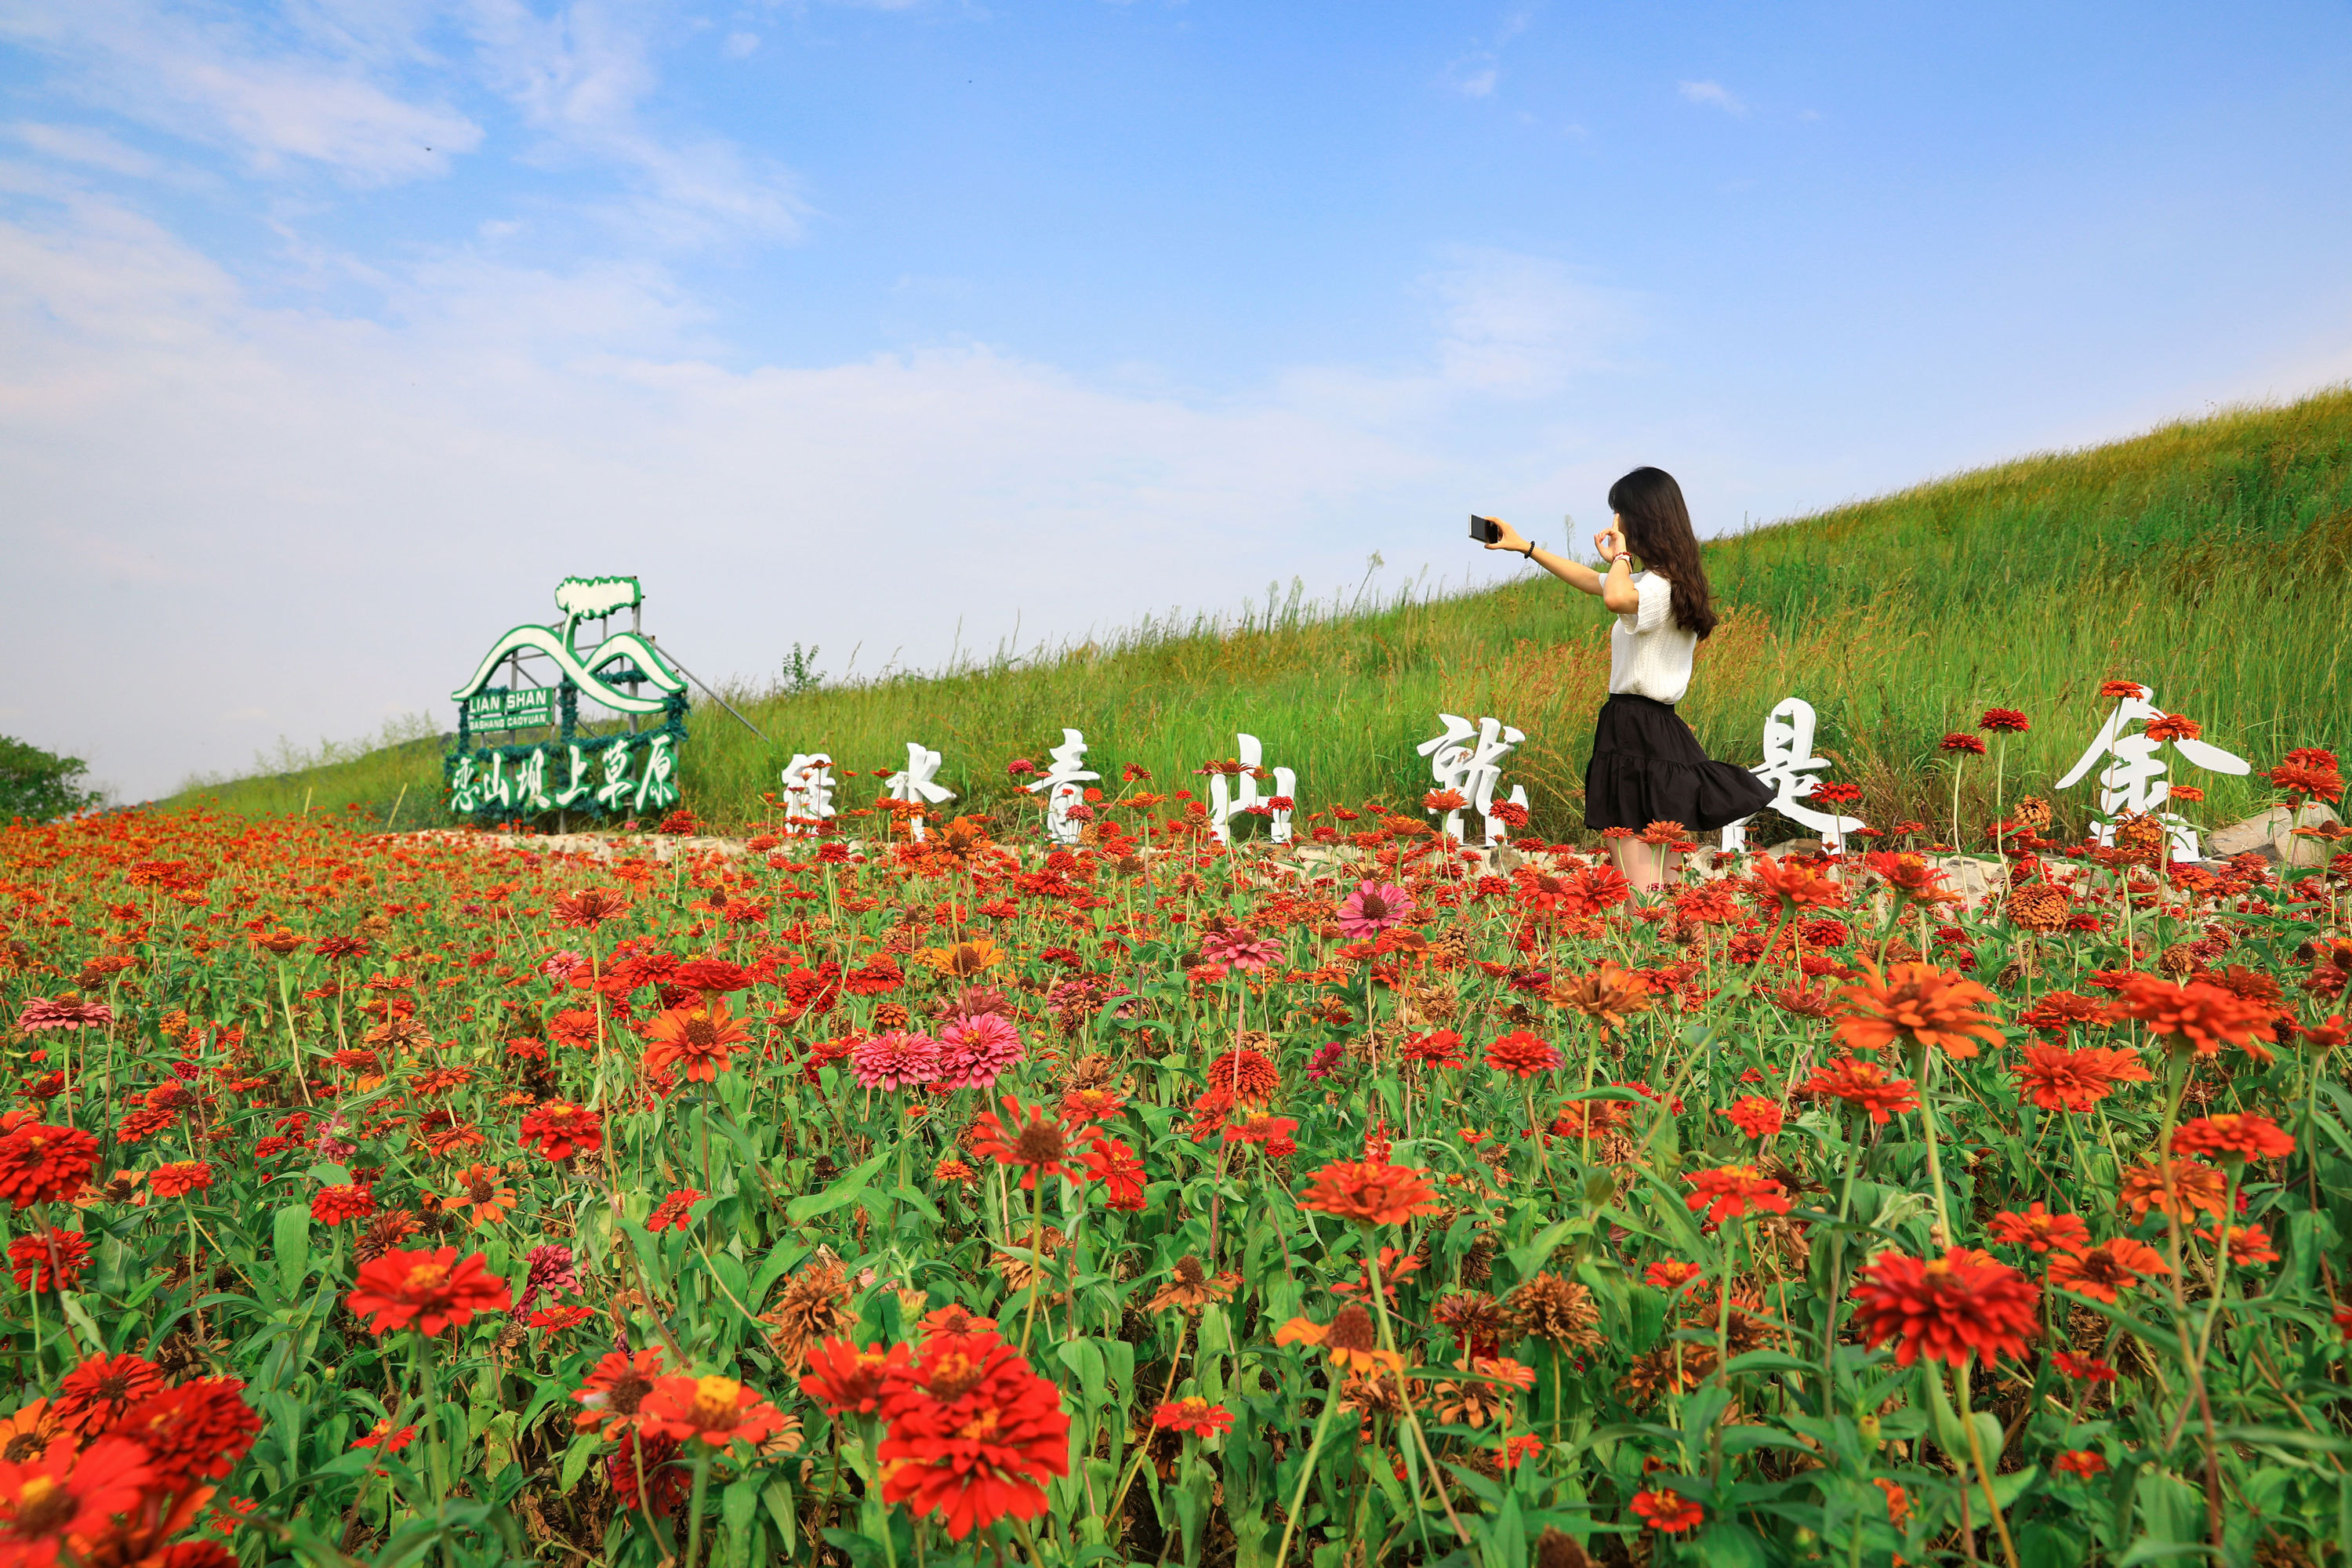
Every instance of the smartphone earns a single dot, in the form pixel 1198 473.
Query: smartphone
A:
pixel 1484 529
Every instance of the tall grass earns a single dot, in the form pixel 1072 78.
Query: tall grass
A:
pixel 2209 559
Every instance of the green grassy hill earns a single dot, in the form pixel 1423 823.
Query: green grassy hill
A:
pixel 2209 559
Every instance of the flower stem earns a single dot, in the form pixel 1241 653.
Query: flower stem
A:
pixel 694 1513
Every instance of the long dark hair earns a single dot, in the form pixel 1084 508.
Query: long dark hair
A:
pixel 1658 530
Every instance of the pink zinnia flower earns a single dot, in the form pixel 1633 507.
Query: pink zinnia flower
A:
pixel 561 964
pixel 1326 1060
pixel 1238 947
pixel 43 1014
pixel 1372 908
pixel 973 1050
pixel 895 1060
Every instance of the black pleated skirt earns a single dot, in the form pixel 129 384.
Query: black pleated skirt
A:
pixel 1647 767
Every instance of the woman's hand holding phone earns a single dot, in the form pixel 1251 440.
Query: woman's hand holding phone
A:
pixel 1505 537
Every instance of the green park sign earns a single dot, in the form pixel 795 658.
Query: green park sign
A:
pixel 546 672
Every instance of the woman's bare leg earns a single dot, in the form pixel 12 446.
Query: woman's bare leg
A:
pixel 1645 865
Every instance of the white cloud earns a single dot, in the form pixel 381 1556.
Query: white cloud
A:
pixel 580 76
pixel 1714 94
pixel 333 512
pixel 738 46
pixel 82 144
pixel 212 76
pixel 1520 325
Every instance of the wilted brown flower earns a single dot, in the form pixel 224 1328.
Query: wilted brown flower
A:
pixel 1193 1289
pixel 1560 1311
pixel 1674 1367
pixel 2041 907
pixel 815 1306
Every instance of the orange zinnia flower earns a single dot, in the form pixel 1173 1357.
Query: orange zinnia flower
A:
pixel 1608 995
pixel 1865 1086
pixel 2040 1230
pixel 2247 1244
pixel 702 1038
pixel 1948 1309
pixel 613 1390
pixel 2232 1135
pixel 587 909
pixel 1797 886
pixel 1374 1194
pixel 846 1378
pixel 2056 1079
pixel 1728 1191
pixel 1348 1339
pixel 2194 1187
pixel 2199 1017
pixel 2101 1271
pixel 479 1196
pixel 1915 1003
pixel 717 1410
pixel 67 1498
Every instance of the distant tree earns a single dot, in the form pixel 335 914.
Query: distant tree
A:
pixel 40 786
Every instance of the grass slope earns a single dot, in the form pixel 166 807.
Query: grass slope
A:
pixel 2209 559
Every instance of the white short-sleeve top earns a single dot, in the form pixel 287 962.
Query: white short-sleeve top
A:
pixel 1649 655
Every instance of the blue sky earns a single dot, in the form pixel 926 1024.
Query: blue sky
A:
pixel 333 333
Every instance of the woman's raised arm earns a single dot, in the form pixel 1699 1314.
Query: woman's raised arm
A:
pixel 1575 573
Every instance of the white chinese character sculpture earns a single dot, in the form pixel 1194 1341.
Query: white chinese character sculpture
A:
pixel 808 793
pixel 2134 779
pixel 1065 787
pixel 914 784
pixel 1473 772
pixel 1790 767
pixel 1223 809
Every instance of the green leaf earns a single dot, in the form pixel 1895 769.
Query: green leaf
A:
pixel 1526 1260
pixel 739 1506
pixel 292 1232
pixel 575 1460
pixel 841 1194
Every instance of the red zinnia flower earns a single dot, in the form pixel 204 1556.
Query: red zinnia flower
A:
pixel 587 909
pixel 2040 1230
pixel 1026 1137
pixel 2232 1135
pixel 1439 1049
pixel 1374 1194
pixel 2173 727
pixel 431 1289
pixel 1865 1086
pixel 559 1129
pixel 1514 1450
pixel 197 1431
pixel 333 1206
pixel 50 1259
pixel 2004 720
pixel 1523 1054
pixel 1671 1274
pixel 844 1377
pixel 1755 1115
pixel 2101 1271
pixel 1796 887
pixel 64 1496
pixel 1114 1164
pixel 175 1180
pixel 1728 1191
pixel 2080 1462
pixel 1915 1003
pixel 94 1394
pixel 38 1163
pixel 1194 1415
pixel 1668 1511
pixel 674 1211
pixel 2083 1368
pixel 717 1410
pixel 973 1432
pixel 1962 741
pixel 1961 1304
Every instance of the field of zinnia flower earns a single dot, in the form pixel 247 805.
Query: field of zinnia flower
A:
pixel 1372 1200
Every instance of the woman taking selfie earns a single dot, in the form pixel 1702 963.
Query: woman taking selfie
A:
pixel 1646 764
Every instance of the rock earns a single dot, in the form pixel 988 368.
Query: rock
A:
pixel 2271 835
